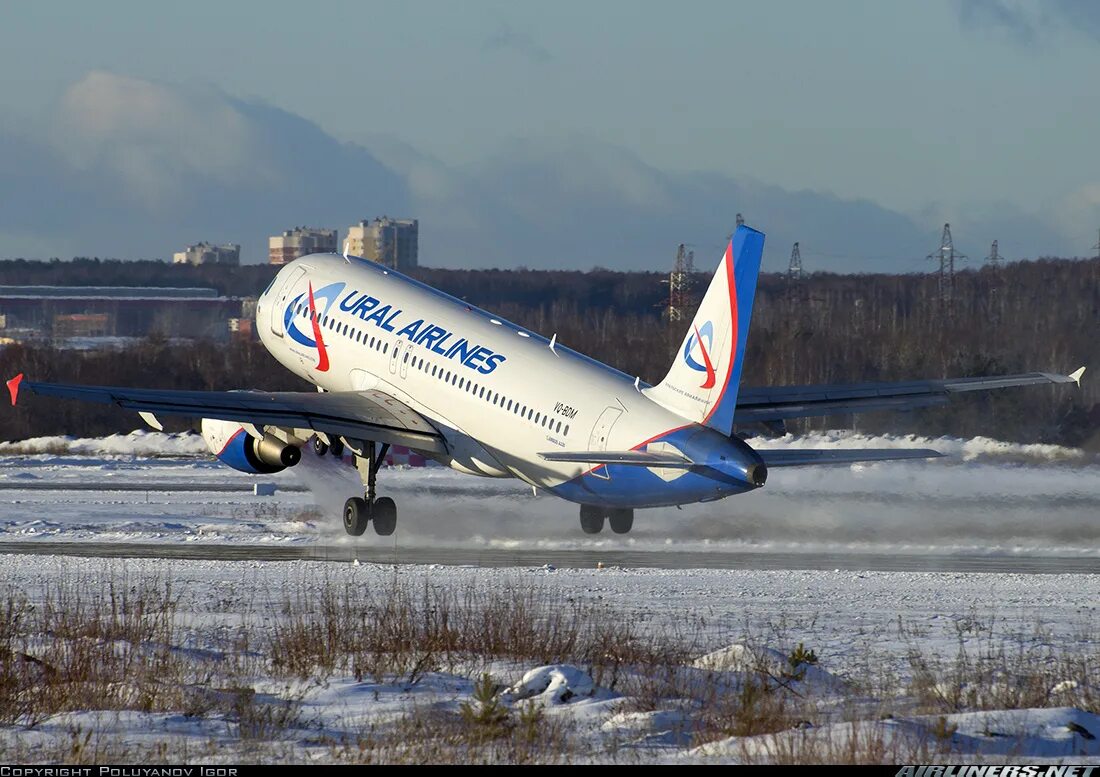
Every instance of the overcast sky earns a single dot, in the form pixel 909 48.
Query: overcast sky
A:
pixel 564 134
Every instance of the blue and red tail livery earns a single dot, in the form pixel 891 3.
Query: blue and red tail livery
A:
pixel 702 384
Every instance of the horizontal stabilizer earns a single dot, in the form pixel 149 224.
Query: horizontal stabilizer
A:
pixel 635 458
pixel 802 458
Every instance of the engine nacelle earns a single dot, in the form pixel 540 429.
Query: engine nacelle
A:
pixel 232 445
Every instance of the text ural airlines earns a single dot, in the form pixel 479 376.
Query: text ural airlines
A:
pixel 384 316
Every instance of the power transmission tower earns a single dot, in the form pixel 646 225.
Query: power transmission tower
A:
pixel 994 257
pixel 994 260
pixel 947 256
pixel 794 275
pixel 794 269
pixel 680 281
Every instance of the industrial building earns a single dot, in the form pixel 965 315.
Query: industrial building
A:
pixel 392 242
pixel 207 253
pixel 61 312
pixel 300 241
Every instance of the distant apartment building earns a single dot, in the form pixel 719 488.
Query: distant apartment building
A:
pixel 300 241
pixel 207 253
pixel 392 242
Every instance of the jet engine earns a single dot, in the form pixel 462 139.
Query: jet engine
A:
pixel 232 445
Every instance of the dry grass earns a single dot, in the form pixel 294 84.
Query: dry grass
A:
pixel 400 630
pixel 87 645
pixel 117 643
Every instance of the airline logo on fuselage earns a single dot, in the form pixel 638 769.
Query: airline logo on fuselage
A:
pixel 371 310
pixel 696 339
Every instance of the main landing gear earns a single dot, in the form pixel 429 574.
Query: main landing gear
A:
pixel 382 512
pixel 592 519
pixel 320 447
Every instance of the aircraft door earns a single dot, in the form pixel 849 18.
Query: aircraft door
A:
pixel 601 432
pixel 395 354
pixel 279 302
pixel 405 359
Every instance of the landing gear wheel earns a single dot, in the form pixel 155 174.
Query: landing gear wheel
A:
pixel 621 520
pixel 319 446
pixel 591 519
pixel 356 515
pixel 337 448
pixel 384 516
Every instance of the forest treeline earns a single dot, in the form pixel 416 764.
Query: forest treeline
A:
pixel 1029 316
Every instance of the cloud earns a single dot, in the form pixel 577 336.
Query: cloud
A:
pixel 1029 22
pixel 578 204
pixel 508 39
pixel 134 168
pixel 999 15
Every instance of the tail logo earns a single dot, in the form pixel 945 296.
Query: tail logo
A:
pixel 328 295
pixel 697 338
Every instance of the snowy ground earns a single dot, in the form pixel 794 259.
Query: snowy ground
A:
pixel 912 666
pixel 871 633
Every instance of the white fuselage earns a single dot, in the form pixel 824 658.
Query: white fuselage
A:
pixel 499 394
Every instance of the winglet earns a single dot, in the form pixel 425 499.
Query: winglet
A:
pixel 13 388
pixel 1076 376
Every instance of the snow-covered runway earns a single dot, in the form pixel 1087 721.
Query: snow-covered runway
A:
pixel 1008 507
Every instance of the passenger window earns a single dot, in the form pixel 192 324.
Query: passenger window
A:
pixel 567 429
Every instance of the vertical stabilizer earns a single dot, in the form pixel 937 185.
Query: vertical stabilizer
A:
pixel 702 383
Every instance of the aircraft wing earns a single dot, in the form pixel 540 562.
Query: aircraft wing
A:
pixel 781 402
pixel 357 415
pixel 801 458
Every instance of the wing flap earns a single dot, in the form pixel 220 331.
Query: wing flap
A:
pixel 782 402
pixel 363 415
pixel 808 457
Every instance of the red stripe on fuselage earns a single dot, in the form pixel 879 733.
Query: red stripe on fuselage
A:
pixel 322 352
pixel 733 329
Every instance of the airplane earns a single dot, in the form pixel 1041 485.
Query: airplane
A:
pixel 397 362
